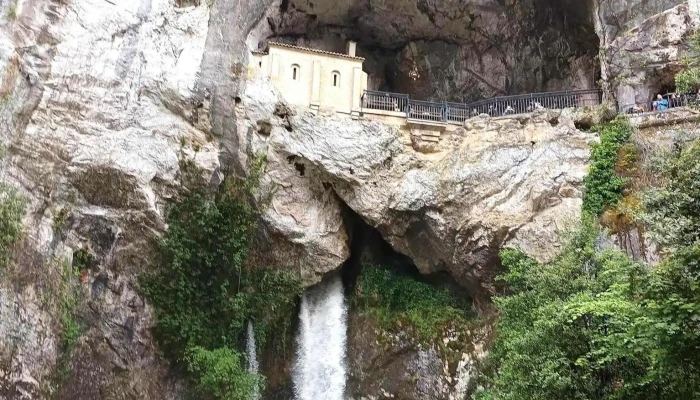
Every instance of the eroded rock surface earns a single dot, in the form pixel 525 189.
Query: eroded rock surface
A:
pixel 640 60
pixel 97 112
pixel 386 365
pixel 496 182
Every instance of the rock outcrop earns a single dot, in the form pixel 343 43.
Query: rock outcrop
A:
pixel 643 48
pixel 384 365
pixel 97 111
pixel 506 181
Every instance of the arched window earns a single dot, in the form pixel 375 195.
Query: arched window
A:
pixel 295 72
pixel 336 78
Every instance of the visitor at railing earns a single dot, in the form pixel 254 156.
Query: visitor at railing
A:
pixel 666 102
pixel 660 104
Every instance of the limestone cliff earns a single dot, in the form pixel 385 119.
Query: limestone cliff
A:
pixel 493 183
pixel 102 101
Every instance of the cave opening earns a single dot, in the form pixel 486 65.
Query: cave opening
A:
pixel 451 53
pixel 368 247
pixel 665 81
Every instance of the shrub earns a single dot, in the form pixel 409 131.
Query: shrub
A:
pixel 689 79
pixel 12 11
pixel 559 325
pixel 398 300
pixel 673 210
pixel 12 207
pixel 221 374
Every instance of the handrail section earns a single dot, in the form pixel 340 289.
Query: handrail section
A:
pixel 672 101
pixel 457 113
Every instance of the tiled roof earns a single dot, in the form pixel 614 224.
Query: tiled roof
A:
pixel 330 53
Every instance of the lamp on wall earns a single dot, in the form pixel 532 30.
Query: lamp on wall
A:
pixel 413 72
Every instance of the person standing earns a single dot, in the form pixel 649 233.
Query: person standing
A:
pixel 660 104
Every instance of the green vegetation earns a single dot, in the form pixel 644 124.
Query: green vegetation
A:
pixel 221 373
pixel 203 291
pixel 68 297
pixel 12 207
pixel 689 79
pixel 604 186
pixel 593 324
pixel 12 11
pixel 673 210
pixel 61 219
pixel 400 301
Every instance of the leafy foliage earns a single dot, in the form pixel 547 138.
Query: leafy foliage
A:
pixel 398 300
pixel 12 207
pixel 689 79
pixel 204 293
pixel 68 297
pixel 603 185
pixel 673 211
pixel 593 324
pixel 221 373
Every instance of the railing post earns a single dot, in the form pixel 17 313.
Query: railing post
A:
pixel 408 106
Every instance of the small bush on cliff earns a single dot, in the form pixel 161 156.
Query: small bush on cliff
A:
pixel 400 301
pixel 204 293
pixel 221 373
pixel 603 185
pixel 12 207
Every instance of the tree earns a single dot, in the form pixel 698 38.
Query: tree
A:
pixel 689 79
pixel 593 324
pixel 203 291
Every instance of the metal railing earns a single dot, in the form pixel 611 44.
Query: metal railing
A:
pixel 426 111
pixel 671 101
pixel 525 103
pixel 457 113
pixel 385 101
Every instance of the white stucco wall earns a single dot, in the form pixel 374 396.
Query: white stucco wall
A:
pixel 278 66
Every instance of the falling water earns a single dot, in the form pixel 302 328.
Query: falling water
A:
pixel 319 368
pixel 253 365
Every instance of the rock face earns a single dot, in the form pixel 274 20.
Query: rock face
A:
pixel 97 111
pixel 507 181
pixel 386 365
pixel 641 60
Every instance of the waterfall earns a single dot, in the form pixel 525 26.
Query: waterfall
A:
pixel 319 368
pixel 253 365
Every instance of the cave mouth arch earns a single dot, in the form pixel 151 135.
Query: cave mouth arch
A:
pixel 368 247
pixel 462 53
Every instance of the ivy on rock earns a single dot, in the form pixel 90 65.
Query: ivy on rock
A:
pixel 604 187
pixel 203 291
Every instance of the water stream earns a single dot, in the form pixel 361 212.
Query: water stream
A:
pixel 320 370
pixel 253 366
